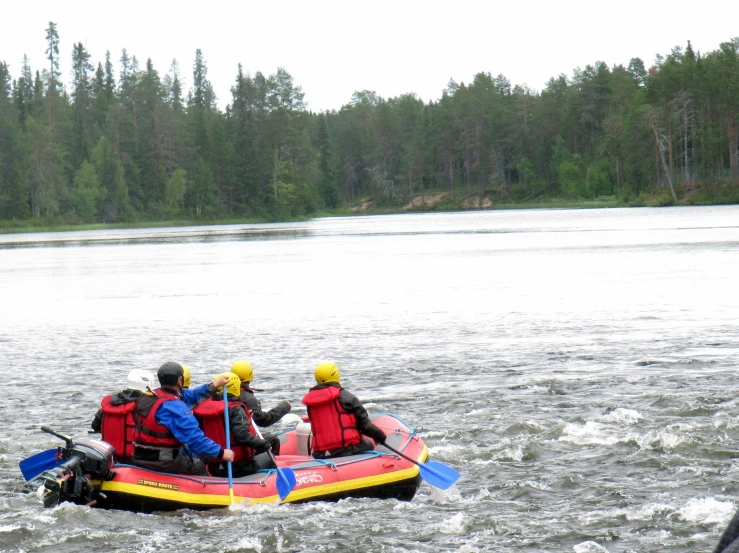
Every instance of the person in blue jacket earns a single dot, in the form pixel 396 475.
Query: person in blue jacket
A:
pixel 167 433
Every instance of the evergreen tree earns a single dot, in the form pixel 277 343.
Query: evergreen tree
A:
pixel 327 188
pixel 52 54
pixel 82 94
pixel 23 93
pixel 108 167
pixel 9 147
pixel 109 86
pixel 44 171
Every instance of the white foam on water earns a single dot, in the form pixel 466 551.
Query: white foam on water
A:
pixel 590 433
pixel 248 543
pixel 155 542
pixel 447 448
pixel 484 493
pixel 514 453
pixel 404 506
pixel 707 510
pixel 470 547
pixel 660 439
pixel 9 528
pixel 452 525
pixel 483 462
pixel 42 516
pixel 536 425
pixel 628 416
pixel 695 471
pixel 648 511
pixel 434 434
pixel 589 547
pixel 451 494
pixel 721 424
pixel 537 485
pixel 66 507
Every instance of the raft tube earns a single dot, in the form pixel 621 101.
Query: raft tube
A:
pixel 376 474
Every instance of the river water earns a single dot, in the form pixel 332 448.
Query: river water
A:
pixel 578 367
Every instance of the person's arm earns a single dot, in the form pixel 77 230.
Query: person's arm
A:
pixel 194 396
pixel 176 416
pixel 97 421
pixel 264 418
pixel 240 433
pixel 352 404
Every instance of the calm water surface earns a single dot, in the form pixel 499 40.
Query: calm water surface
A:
pixel 578 368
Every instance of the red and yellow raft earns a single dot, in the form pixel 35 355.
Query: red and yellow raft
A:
pixel 379 474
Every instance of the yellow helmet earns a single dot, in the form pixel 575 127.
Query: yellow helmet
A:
pixel 185 376
pixel 233 386
pixel 327 372
pixel 242 369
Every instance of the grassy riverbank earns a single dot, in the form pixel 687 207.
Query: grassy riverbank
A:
pixel 431 201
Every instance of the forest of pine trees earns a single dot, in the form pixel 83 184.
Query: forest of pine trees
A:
pixel 125 143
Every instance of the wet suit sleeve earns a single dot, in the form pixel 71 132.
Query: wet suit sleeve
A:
pixel 193 396
pixel 97 421
pixel 183 425
pixel 352 404
pixel 264 418
pixel 240 430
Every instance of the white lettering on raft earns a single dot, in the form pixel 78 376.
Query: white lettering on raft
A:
pixel 312 478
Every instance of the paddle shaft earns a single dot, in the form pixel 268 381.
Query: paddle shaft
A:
pixel 228 445
pixel 436 474
pixel 403 455
pixel 286 480
pixel 269 451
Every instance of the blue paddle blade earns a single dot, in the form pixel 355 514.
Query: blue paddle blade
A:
pixel 34 465
pixel 285 482
pixel 438 474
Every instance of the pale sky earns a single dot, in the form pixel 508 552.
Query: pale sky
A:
pixel 333 48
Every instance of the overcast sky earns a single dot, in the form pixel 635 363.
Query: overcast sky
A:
pixel 333 48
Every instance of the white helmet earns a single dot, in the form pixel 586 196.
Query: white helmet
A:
pixel 140 379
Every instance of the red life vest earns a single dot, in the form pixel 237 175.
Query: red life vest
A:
pixel 210 415
pixel 118 426
pixel 333 426
pixel 148 431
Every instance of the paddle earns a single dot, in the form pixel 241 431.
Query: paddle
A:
pixel 34 465
pixel 435 473
pixel 228 445
pixel 285 477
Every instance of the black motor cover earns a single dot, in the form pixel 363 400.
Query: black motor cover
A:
pixel 97 457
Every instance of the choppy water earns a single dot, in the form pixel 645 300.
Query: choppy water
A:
pixel 578 367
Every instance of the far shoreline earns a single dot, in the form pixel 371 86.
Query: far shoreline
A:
pixel 439 203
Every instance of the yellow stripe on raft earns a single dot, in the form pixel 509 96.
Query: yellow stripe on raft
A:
pixel 295 495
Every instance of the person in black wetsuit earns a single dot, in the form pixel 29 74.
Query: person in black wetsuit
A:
pixel 338 419
pixel 243 370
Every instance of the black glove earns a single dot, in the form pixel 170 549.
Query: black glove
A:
pixel 262 445
pixel 380 438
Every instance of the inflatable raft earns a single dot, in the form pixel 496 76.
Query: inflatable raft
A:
pixel 88 475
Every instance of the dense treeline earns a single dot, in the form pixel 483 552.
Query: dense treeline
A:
pixel 124 143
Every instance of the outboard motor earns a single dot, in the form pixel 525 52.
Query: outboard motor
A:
pixel 97 457
pixel 78 479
